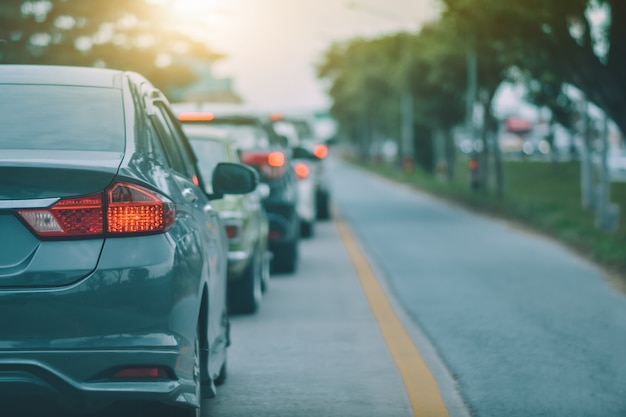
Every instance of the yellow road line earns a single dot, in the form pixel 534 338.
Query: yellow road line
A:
pixel 421 387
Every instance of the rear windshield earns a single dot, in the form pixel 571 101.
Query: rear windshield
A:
pixel 51 117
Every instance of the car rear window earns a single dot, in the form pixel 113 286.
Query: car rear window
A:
pixel 52 117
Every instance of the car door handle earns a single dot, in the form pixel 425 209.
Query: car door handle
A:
pixel 190 195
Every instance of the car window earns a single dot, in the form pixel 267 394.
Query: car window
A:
pixel 173 142
pixel 247 134
pixel 52 117
pixel 209 153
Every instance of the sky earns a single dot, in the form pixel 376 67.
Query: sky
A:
pixel 272 46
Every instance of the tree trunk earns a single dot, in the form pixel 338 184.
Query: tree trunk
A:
pixel 586 165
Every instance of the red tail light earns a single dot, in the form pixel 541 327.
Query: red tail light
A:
pixel 128 209
pixel 321 151
pixel 196 117
pixel 68 217
pixel 271 164
pixel 232 231
pixel 134 209
pixel 141 373
pixel 302 170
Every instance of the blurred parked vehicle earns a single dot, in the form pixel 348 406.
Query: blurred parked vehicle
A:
pixel 112 261
pixel 263 150
pixel 308 149
pixel 244 219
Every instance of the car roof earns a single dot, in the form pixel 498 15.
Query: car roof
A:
pixel 201 131
pixel 220 110
pixel 60 75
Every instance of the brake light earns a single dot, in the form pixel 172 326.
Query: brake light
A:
pixel 128 209
pixel 134 209
pixel 321 151
pixel 276 159
pixel 196 117
pixel 140 373
pixel 271 164
pixel 232 231
pixel 276 117
pixel 302 170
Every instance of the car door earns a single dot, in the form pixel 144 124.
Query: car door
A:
pixel 206 218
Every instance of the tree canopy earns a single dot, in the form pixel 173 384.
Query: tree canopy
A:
pixel 124 34
pixel 550 44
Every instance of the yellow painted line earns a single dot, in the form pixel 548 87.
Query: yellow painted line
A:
pixel 421 387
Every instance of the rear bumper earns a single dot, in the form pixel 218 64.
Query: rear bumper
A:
pixel 138 309
pixel 36 377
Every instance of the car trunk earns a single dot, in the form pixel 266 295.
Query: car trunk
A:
pixel 34 180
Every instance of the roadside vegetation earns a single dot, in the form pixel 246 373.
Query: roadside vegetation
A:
pixel 428 92
pixel 542 196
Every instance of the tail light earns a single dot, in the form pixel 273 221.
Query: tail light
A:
pixel 302 170
pixel 233 225
pixel 320 151
pixel 196 117
pixel 271 164
pixel 122 209
pixel 142 373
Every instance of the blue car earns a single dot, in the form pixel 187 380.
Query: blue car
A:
pixel 112 260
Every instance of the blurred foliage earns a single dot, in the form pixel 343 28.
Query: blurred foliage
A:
pixel 549 45
pixel 131 35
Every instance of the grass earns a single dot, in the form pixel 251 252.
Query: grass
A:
pixel 543 196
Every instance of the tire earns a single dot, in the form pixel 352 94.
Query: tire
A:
pixel 322 205
pixel 265 271
pixel 286 258
pixel 306 228
pixel 245 294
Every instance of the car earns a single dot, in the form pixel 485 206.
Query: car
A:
pixel 245 221
pixel 112 259
pixel 266 152
pixel 308 149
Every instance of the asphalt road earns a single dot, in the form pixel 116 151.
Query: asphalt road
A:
pixel 525 326
pixel 508 323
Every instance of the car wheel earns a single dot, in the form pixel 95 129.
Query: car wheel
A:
pixel 245 295
pixel 306 228
pixel 265 271
pixel 286 259
pixel 322 203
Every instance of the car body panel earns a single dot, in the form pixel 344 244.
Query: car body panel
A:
pixel 83 308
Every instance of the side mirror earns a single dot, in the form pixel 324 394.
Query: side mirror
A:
pixel 230 178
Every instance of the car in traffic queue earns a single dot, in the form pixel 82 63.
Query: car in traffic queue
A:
pixel 261 149
pixel 244 219
pixel 309 150
pixel 112 259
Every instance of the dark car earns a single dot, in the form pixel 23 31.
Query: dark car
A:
pixel 112 260
pixel 265 151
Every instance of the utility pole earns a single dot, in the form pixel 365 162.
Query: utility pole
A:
pixel 606 212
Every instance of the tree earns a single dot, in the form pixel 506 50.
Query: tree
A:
pixel 582 41
pixel 123 34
